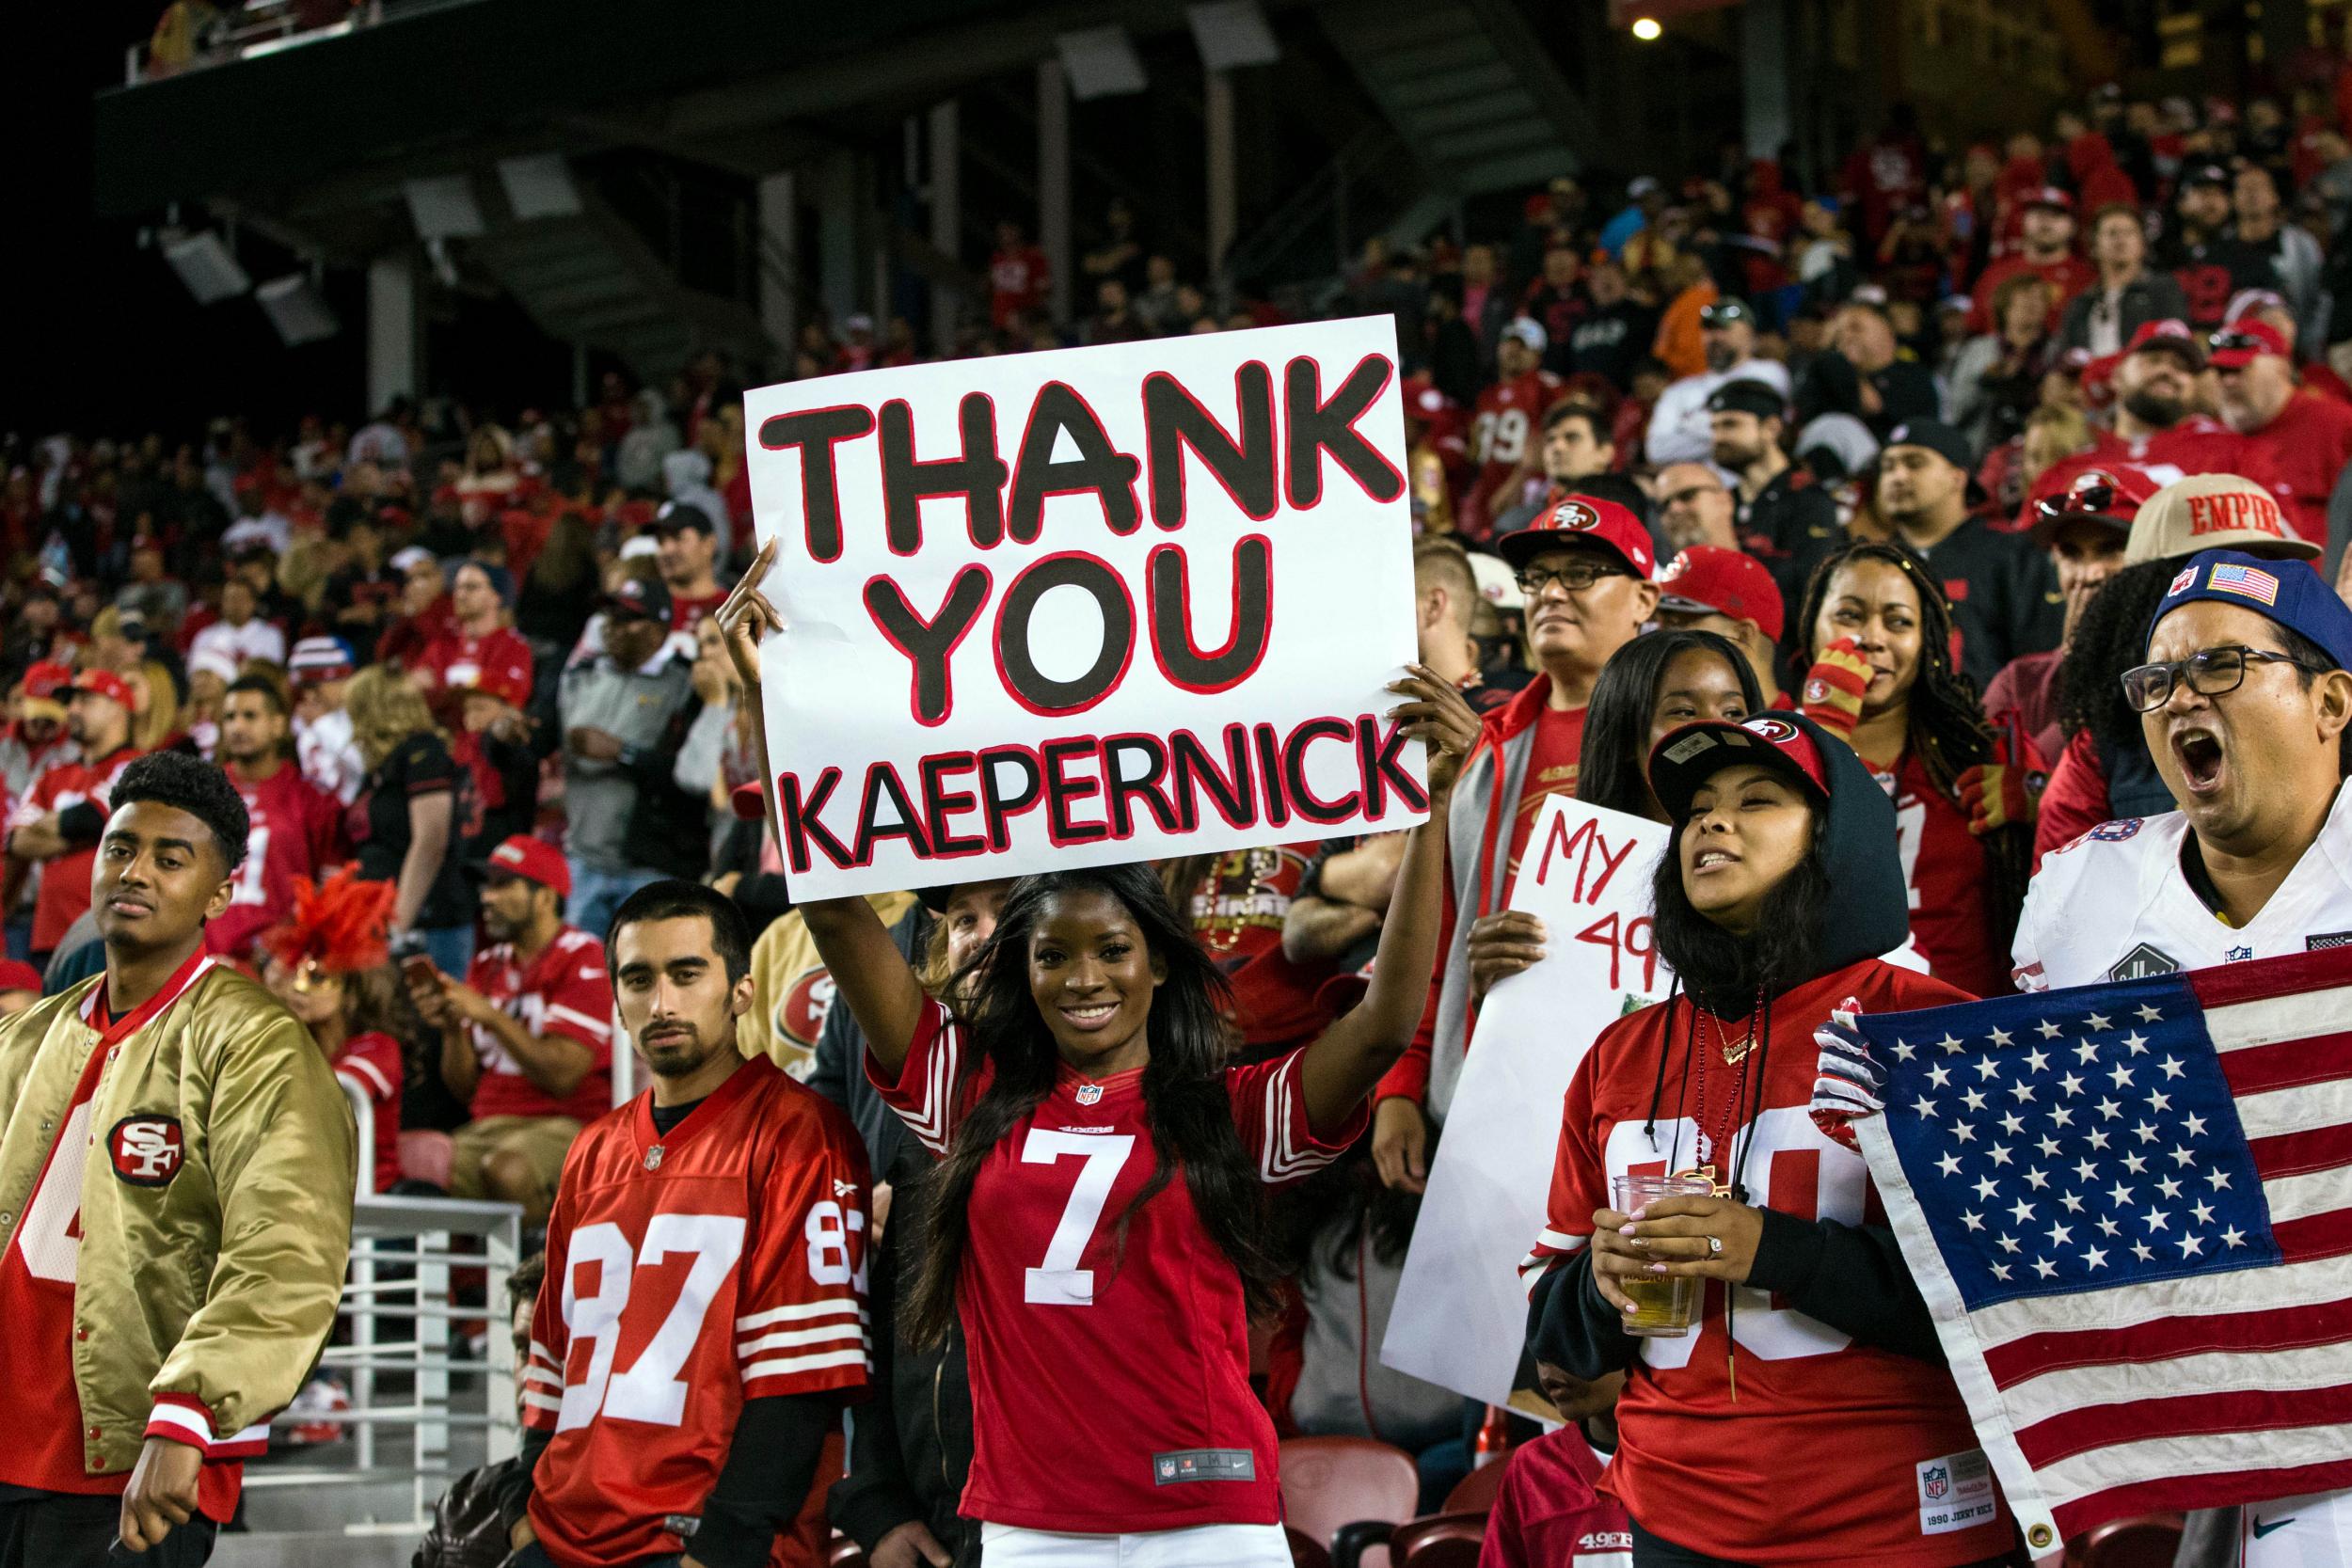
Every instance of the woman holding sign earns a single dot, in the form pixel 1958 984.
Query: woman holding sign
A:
pixel 1098 1221
pixel 1787 1401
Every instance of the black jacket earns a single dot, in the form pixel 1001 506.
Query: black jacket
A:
pixel 669 827
pixel 467 1531
pixel 1849 1276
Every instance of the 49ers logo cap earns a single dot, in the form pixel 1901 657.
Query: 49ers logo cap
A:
pixel 1604 523
pixel 145 1149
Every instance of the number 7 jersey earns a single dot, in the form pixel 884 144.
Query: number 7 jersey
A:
pixel 686 1272
pixel 1111 1363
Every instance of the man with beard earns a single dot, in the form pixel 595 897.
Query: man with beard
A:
pixel 58 823
pixel 2203 257
pixel 1616 334
pixel 2004 593
pixel 295 830
pixel 2248 711
pixel 2300 439
pixel 1678 430
pixel 1784 521
pixel 2046 250
pixel 751 1190
pixel 2156 427
pixel 527 1036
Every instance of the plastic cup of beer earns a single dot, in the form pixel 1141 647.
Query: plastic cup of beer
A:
pixel 1663 1305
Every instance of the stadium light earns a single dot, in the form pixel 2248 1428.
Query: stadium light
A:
pixel 443 206
pixel 298 309
pixel 207 265
pixel 1646 29
pixel 1100 62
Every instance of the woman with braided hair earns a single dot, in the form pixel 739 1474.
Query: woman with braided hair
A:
pixel 1880 634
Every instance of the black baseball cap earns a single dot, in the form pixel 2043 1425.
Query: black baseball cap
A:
pixel 2205 174
pixel 1724 311
pixel 1938 438
pixel 637 597
pixel 1747 395
pixel 675 515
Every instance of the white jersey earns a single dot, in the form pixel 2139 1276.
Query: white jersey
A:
pixel 2115 905
pixel 2296 1532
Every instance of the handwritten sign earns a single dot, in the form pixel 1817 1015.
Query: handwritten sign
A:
pixel 1461 1310
pixel 1086 605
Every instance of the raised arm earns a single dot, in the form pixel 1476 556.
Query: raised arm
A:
pixel 867 969
pixel 1346 1060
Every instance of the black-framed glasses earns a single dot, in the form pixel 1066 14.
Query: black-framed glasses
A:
pixel 2210 673
pixel 1575 577
pixel 2238 341
pixel 1685 495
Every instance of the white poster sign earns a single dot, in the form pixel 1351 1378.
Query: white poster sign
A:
pixel 1461 1311
pixel 1086 605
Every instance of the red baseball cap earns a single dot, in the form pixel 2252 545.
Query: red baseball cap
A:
pixel 533 860
pixel 1708 579
pixel 1688 756
pixel 2111 495
pixel 2050 196
pixel 16 974
pixel 105 683
pixel 2245 340
pixel 2168 332
pixel 1586 518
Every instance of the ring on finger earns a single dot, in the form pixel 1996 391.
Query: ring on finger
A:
pixel 1714 1246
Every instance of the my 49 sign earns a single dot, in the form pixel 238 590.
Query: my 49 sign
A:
pixel 1086 605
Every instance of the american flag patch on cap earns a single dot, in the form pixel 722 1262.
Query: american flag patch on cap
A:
pixel 2255 583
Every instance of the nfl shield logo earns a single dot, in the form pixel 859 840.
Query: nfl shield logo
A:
pixel 1936 1480
pixel 1168 1466
pixel 653 1158
pixel 1089 1093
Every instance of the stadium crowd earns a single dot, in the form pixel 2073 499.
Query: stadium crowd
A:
pixel 1901 471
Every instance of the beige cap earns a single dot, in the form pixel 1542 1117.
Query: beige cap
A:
pixel 2213 512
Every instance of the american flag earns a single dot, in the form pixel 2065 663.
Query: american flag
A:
pixel 2251 581
pixel 2129 1208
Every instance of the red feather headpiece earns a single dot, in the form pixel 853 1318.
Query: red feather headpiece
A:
pixel 338 928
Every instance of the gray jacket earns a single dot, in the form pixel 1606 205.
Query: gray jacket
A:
pixel 635 707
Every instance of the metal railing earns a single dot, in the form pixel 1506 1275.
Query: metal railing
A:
pixel 408 1386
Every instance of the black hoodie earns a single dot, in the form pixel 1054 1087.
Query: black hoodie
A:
pixel 1849 1276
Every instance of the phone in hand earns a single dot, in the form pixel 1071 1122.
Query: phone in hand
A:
pixel 418 971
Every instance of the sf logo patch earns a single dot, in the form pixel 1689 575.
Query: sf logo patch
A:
pixel 1575 516
pixel 145 1149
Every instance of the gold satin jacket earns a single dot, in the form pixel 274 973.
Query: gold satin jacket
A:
pixel 216 1208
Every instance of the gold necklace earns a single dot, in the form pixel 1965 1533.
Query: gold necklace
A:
pixel 1735 1054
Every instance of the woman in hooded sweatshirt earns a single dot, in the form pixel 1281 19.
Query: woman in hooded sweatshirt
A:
pixel 1807 1417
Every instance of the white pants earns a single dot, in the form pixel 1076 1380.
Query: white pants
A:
pixel 1200 1546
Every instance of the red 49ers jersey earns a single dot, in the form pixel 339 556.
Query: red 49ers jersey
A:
pixel 1857 1435
pixel 1110 1373
pixel 65 879
pixel 1237 913
pixel 296 835
pixel 686 1272
pixel 1506 427
pixel 563 992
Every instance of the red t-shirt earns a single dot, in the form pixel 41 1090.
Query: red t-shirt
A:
pixel 37 1283
pixel 499 657
pixel 1016 283
pixel 1945 867
pixel 687 1272
pixel 1550 770
pixel 561 991
pixel 1237 913
pixel 2069 276
pixel 296 835
pixel 1851 1429
pixel 372 1063
pixel 1506 426
pixel 688 609
pixel 1109 1362
pixel 1550 1512
pixel 2301 453
pixel 65 879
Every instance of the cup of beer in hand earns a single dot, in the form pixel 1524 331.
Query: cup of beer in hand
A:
pixel 1662 1305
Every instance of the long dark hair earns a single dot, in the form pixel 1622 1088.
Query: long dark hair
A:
pixel 2111 637
pixel 1612 770
pixel 1185 1107
pixel 1945 723
pixel 1322 1220
pixel 1724 970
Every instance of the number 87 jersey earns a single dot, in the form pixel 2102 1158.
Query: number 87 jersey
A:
pixel 686 1272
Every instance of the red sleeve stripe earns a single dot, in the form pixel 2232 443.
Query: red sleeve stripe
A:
pixel 1280 1158
pixel 816 1361
pixel 368 1076
pixel 600 1027
pixel 929 1121
pixel 784 1338
pixel 186 1421
pixel 799 1311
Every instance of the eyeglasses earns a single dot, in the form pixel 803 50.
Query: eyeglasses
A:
pixel 2211 673
pixel 2238 340
pixel 1574 578
pixel 1687 494
pixel 1722 315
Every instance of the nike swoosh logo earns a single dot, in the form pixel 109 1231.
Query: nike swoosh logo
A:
pixel 2262 1529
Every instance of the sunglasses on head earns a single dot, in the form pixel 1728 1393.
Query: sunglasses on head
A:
pixel 1722 315
pixel 2238 341
pixel 2090 501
